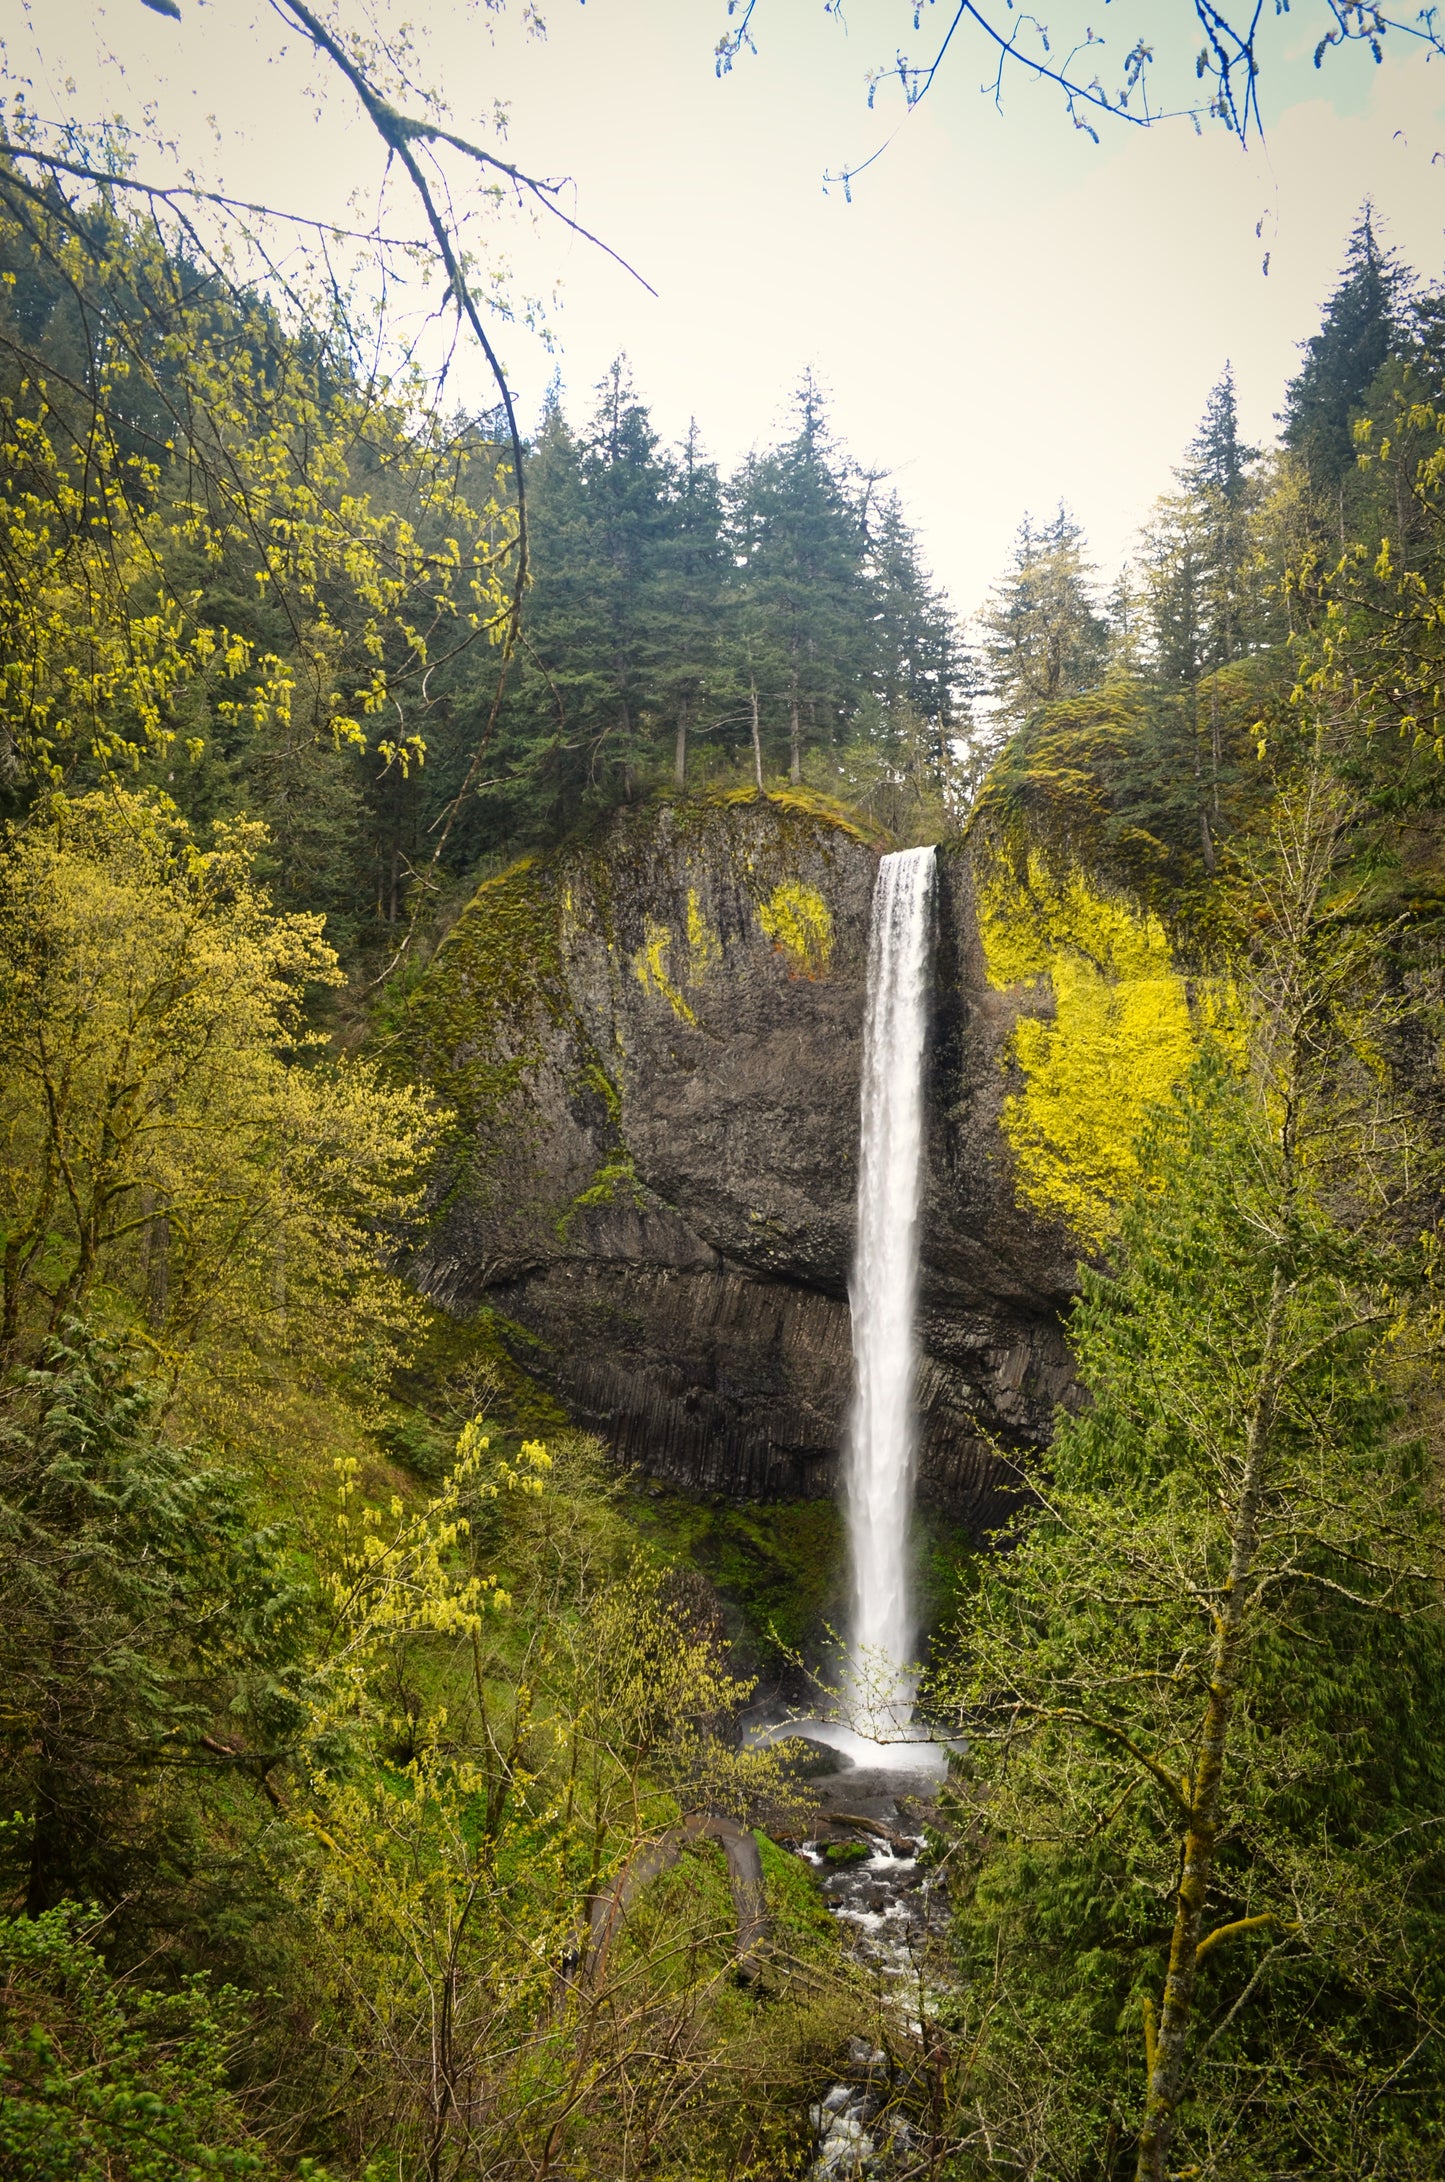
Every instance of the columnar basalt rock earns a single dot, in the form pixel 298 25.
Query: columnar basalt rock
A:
pixel 652 1040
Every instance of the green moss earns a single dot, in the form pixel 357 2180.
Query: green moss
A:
pixel 801 1919
pixel 595 1076
pixel 812 803
pixel 460 1367
pixel 947 1559
pixel 779 1565
pixel 839 1854
pixel 473 1027
pixel 616 1177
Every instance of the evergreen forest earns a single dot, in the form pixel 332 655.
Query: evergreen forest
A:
pixel 377 1805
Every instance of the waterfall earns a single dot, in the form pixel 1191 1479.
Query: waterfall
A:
pixel 884 1290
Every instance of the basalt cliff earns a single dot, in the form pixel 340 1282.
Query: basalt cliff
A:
pixel 652 1041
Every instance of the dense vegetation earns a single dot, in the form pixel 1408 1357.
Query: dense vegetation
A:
pixel 342 1681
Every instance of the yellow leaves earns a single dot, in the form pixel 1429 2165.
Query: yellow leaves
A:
pixel 1115 1048
pixel 528 1475
pixel 799 923
pixel 270 482
pixel 151 1010
pixel 1120 1037
pixel 407 1574
pixel 1024 922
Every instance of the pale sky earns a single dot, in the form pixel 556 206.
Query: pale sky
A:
pixel 1006 312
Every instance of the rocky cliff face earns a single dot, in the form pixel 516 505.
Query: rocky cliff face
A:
pixel 653 1041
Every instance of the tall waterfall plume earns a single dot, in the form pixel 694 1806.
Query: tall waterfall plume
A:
pixel 884 1290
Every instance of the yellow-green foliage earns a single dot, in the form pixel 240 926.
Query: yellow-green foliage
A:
pixel 1121 1036
pixel 130 584
pixel 800 925
pixel 174 1148
pixel 509 1707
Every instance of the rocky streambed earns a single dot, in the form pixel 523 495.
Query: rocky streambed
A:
pixel 866 1843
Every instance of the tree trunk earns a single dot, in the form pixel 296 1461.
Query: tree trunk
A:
pixel 1166 2075
pixel 43 1887
pixel 156 1259
pixel 629 781
pixel 679 765
pixel 795 740
pixel 757 736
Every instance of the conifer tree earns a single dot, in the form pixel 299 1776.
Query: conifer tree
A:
pixel 693 602
pixel 578 726
pixel 800 548
pixel 1200 596
pixel 922 672
pixel 1123 614
pixel 555 700
pixel 1044 637
pixel 630 503
pixel 1362 326
pixel 1218 477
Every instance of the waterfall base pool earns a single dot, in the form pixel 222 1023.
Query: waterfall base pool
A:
pixel 912 1750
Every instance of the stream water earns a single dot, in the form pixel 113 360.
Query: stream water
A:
pixel 867 1848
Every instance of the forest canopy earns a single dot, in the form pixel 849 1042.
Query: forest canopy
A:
pixel 380 1801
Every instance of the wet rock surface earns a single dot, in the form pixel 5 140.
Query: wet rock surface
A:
pixel 652 1041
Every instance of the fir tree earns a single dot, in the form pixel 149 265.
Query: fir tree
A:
pixel 1200 596
pixel 1218 460
pixel 800 550
pixel 631 506
pixel 1363 325
pixel 692 604
pixel 1043 635
pixel 922 672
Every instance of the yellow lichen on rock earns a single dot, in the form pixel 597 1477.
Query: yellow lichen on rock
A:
pixel 703 945
pixel 649 966
pixel 800 925
pixel 1121 1038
